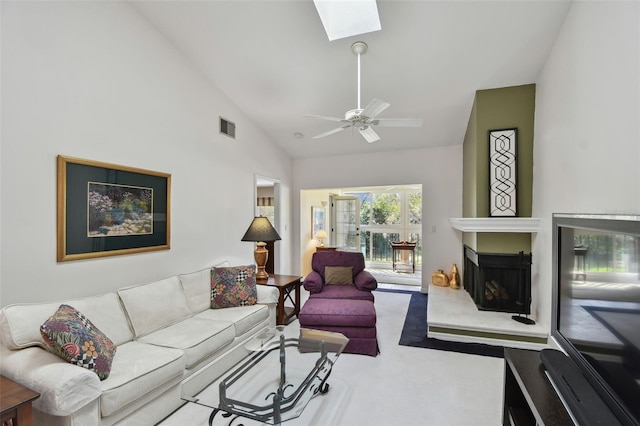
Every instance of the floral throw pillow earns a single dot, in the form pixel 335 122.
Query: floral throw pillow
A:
pixel 233 286
pixel 74 338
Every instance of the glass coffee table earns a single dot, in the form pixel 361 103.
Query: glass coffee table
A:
pixel 277 378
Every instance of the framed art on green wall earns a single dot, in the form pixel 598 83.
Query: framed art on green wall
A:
pixel 106 210
pixel 503 173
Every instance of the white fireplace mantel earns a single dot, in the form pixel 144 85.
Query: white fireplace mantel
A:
pixel 496 224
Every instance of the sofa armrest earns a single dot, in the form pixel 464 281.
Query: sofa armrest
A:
pixel 267 295
pixel 313 282
pixel 365 281
pixel 64 388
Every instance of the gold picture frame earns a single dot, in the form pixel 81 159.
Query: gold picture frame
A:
pixel 108 210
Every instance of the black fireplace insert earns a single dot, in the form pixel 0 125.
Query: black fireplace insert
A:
pixel 497 281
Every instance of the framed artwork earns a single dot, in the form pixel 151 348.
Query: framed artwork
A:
pixel 108 210
pixel 503 173
pixel 317 220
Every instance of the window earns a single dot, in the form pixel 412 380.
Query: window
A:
pixel 386 216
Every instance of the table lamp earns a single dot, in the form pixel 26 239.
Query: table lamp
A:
pixel 260 231
pixel 321 235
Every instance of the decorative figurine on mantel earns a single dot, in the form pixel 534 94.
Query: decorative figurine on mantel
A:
pixel 454 277
pixel 440 279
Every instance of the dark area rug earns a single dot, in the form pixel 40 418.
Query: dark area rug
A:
pixel 414 333
pixel 393 290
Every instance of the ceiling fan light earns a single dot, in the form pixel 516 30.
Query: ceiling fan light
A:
pixel 343 19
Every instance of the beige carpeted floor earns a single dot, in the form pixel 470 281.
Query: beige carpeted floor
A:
pixel 401 386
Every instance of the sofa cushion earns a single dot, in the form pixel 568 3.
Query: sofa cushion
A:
pixel 197 288
pixel 341 275
pixel 233 286
pixel 20 324
pixel 138 368
pixel 244 318
pixel 196 337
pixel 74 338
pixel 155 305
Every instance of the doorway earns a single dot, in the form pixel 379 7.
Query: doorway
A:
pixel 368 219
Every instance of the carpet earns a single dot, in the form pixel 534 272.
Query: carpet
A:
pixel 414 333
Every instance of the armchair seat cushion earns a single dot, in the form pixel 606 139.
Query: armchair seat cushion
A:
pixel 342 292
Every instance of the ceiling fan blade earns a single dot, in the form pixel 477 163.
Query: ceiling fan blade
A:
pixel 374 108
pixel 324 117
pixel 369 134
pixel 330 132
pixel 398 122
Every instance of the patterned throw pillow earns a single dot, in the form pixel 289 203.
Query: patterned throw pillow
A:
pixel 233 286
pixel 74 338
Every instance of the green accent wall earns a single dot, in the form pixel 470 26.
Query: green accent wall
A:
pixel 493 109
pixel 469 171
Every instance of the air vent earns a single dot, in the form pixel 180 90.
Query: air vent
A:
pixel 227 128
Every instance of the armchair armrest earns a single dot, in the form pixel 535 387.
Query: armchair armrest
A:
pixel 365 281
pixel 64 388
pixel 313 282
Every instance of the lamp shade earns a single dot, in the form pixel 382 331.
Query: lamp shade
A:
pixel 261 230
pixel 321 234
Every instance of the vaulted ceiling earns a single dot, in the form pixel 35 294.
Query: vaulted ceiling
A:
pixel 275 62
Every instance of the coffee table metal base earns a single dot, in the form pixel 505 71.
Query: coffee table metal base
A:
pixel 289 373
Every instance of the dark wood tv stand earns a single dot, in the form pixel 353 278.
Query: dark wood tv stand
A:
pixel 529 397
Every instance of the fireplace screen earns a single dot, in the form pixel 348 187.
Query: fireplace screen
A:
pixel 498 282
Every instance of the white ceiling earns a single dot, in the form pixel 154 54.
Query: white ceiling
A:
pixel 274 61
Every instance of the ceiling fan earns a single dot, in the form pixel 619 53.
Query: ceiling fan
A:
pixel 365 119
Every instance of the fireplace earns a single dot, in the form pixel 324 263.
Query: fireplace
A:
pixel 498 282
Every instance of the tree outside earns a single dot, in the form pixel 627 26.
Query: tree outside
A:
pixel 387 217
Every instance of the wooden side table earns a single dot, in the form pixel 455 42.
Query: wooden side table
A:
pixel 325 248
pixel 15 403
pixel 404 246
pixel 286 284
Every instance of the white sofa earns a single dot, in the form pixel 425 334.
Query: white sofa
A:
pixel 165 332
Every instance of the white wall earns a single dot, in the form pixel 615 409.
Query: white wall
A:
pixel 93 80
pixel 439 170
pixel 307 241
pixel 587 130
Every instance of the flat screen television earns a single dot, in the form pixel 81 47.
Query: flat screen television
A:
pixel 596 305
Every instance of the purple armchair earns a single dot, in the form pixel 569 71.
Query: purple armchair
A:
pixel 323 264
pixel 341 300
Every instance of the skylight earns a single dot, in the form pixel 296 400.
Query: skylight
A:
pixel 346 18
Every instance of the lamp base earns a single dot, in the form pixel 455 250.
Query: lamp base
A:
pixel 261 254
